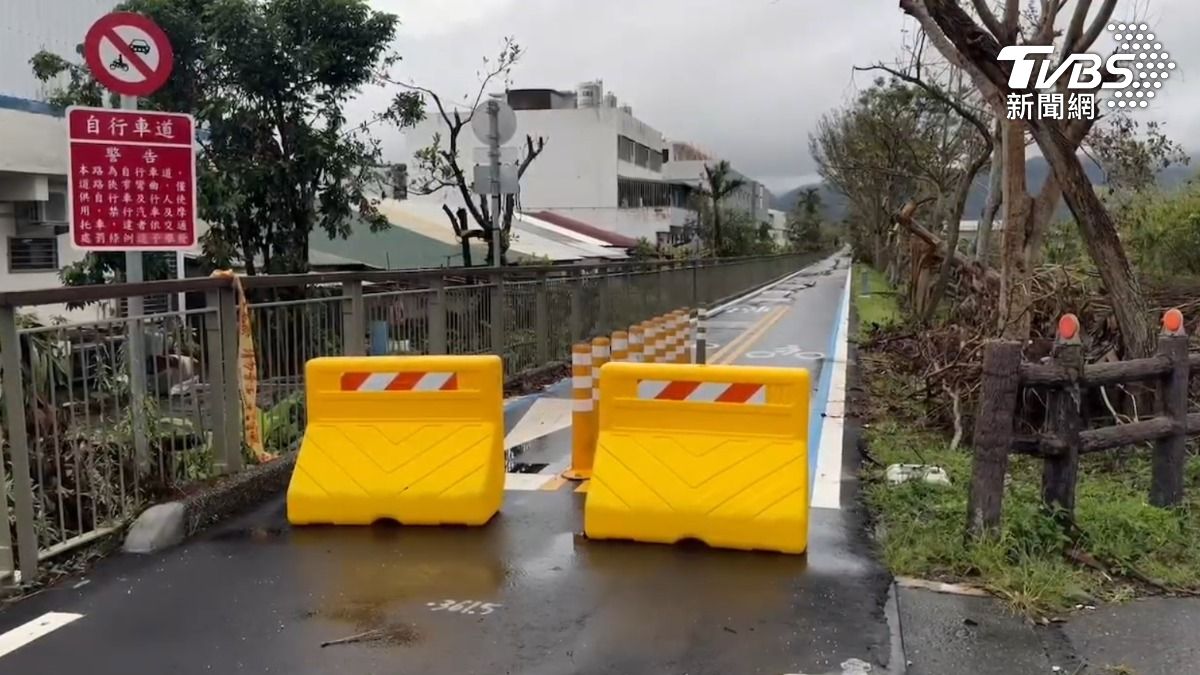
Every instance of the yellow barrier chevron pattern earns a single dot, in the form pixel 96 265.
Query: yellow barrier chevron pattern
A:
pixel 418 440
pixel 715 453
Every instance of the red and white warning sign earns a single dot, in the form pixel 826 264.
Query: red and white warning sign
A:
pixel 128 53
pixel 133 180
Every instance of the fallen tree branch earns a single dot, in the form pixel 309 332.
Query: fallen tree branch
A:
pixel 905 218
pixel 358 637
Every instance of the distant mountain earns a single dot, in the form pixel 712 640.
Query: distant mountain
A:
pixel 835 204
pixel 1036 168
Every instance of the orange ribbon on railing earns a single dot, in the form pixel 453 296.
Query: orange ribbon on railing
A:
pixel 247 373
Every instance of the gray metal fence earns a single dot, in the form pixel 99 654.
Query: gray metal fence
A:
pixel 90 438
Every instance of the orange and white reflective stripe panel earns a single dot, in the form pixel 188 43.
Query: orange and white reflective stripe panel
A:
pixel 410 381
pixel 583 414
pixel 702 392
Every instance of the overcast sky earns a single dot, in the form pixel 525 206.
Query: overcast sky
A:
pixel 745 79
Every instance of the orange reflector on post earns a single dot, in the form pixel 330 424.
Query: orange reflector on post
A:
pixel 1068 327
pixel 1173 322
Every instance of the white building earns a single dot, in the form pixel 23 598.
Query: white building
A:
pixel 601 166
pixel 687 166
pixel 33 154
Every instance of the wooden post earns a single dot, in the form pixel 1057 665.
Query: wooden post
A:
pixel 1170 453
pixel 1065 419
pixel 993 435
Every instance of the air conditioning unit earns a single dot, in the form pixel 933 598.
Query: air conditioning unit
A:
pixel 39 219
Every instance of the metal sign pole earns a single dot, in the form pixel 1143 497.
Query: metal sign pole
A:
pixel 135 308
pixel 494 158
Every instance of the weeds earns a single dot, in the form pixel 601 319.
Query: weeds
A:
pixel 920 527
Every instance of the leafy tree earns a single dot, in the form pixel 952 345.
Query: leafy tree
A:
pixel 804 222
pixel 438 166
pixel 720 181
pixel 267 81
pixel 741 234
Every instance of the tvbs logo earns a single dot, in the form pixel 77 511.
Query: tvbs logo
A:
pixel 1133 73
pixel 1084 71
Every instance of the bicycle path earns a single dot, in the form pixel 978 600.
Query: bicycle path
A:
pixel 526 594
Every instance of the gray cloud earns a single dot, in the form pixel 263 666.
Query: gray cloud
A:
pixel 748 79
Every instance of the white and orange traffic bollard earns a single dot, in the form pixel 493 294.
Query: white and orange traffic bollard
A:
pixel 701 344
pixel 681 339
pixel 669 338
pixel 583 414
pixel 601 353
pixel 637 341
pixel 620 346
pixel 650 346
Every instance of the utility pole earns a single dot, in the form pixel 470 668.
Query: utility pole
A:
pixel 493 109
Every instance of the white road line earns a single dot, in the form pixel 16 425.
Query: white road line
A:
pixel 827 486
pixel 39 627
pixel 545 416
pixel 765 289
pixel 526 482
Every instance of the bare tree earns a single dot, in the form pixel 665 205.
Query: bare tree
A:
pixel 964 160
pixel 975 48
pixel 438 166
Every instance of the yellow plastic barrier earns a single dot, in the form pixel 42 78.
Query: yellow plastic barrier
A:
pixel 715 453
pixel 418 440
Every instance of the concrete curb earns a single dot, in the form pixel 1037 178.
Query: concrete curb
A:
pixel 237 493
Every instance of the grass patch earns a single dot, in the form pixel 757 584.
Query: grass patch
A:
pixel 874 298
pixel 920 526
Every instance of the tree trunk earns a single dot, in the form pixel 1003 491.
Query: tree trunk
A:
pixel 1040 216
pixel 983 237
pixel 1103 243
pixel 466 251
pixel 716 229
pixel 953 230
pixel 1015 320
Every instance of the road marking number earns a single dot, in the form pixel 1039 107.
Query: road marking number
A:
pixel 789 351
pixel 464 606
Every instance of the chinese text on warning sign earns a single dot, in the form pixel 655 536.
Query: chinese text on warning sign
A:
pixel 133 180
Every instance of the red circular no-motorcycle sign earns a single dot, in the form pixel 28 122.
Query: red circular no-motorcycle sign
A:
pixel 128 53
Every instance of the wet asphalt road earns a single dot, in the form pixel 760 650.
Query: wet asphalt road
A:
pixel 526 594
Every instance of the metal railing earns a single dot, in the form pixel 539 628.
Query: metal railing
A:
pixel 89 438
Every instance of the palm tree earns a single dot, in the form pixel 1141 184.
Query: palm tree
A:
pixel 720 182
pixel 810 201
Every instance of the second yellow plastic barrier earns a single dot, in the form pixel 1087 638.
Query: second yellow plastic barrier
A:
pixel 714 453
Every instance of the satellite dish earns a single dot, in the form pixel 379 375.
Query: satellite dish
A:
pixel 481 122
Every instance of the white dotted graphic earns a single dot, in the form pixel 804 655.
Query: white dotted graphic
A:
pixel 1151 62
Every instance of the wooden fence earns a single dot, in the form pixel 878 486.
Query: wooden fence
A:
pixel 1067 432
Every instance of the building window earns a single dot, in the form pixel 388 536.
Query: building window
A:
pixel 643 155
pixel 34 254
pixel 626 149
pixel 656 161
pixel 642 193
